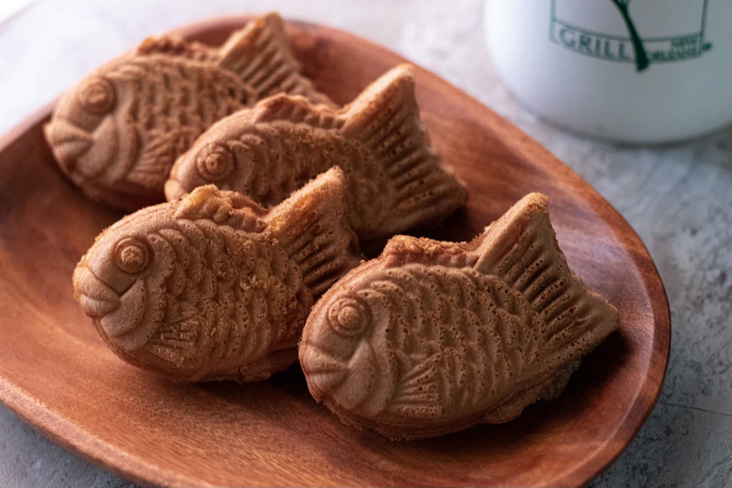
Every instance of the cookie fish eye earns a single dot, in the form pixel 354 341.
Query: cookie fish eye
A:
pixel 131 255
pixel 349 316
pixel 215 162
pixel 97 95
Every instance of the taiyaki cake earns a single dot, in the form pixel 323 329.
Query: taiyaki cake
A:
pixel 118 132
pixel 433 337
pixel 214 286
pixel 395 177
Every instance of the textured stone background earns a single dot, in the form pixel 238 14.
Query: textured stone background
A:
pixel 677 197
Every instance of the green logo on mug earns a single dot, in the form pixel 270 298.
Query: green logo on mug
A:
pixel 629 36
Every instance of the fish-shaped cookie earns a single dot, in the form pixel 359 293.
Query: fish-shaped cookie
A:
pixel 214 286
pixel 118 132
pixel 395 177
pixel 433 337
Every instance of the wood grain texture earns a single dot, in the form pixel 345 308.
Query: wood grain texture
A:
pixel 57 374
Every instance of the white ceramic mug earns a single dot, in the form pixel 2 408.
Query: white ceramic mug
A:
pixel 639 71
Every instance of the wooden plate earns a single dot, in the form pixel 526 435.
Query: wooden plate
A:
pixel 56 373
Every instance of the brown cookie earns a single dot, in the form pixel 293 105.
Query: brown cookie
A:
pixel 214 286
pixel 433 337
pixel 395 177
pixel 118 132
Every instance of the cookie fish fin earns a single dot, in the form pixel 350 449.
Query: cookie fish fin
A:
pixel 549 389
pixel 174 45
pixel 521 248
pixel 153 165
pixel 407 249
pixel 223 207
pixel 176 340
pixel 385 117
pixel 417 394
pixel 260 55
pixel 313 228
pixel 295 109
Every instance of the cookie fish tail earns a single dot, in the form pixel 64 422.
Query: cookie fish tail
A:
pixel 385 117
pixel 312 226
pixel 521 248
pixel 260 55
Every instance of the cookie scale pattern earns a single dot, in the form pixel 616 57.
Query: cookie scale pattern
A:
pixel 396 180
pixel 214 286
pixel 118 132
pixel 433 337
